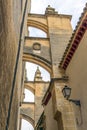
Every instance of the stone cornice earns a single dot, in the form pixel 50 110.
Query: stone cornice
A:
pixel 75 40
pixel 37 15
pixel 37 82
pixel 52 15
pixel 36 38
pixel 31 103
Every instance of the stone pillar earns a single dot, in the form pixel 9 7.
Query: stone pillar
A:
pixel 63 110
pixel 60 31
pixel 40 89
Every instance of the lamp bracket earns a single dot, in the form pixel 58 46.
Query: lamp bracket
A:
pixel 77 102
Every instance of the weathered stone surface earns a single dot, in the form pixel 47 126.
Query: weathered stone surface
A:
pixel 58 31
pixel 10 21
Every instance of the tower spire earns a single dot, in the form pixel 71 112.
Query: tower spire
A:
pixel 38 75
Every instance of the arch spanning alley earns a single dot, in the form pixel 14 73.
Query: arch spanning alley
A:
pixel 29 87
pixel 28 119
pixel 31 68
pixel 29 96
pixel 37 24
pixel 37 60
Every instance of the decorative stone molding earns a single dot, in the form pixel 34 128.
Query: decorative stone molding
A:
pixel 37 46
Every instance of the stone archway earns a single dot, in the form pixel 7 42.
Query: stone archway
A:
pixel 27 118
pixel 38 60
pixel 50 52
pixel 38 21
pixel 29 86
pixel 27 112
pixel 38 25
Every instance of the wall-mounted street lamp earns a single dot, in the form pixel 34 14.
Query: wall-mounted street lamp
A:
pixel 67 92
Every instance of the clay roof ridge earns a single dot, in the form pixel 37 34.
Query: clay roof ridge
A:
pixel 73 34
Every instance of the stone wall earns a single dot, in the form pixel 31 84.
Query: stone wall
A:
pixel 60 31
pixel 77 73
pixel 10 21
pixel 40 90
pixel 43 51
pixel 51 123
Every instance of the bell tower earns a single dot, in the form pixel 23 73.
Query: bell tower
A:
pixel 37 75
